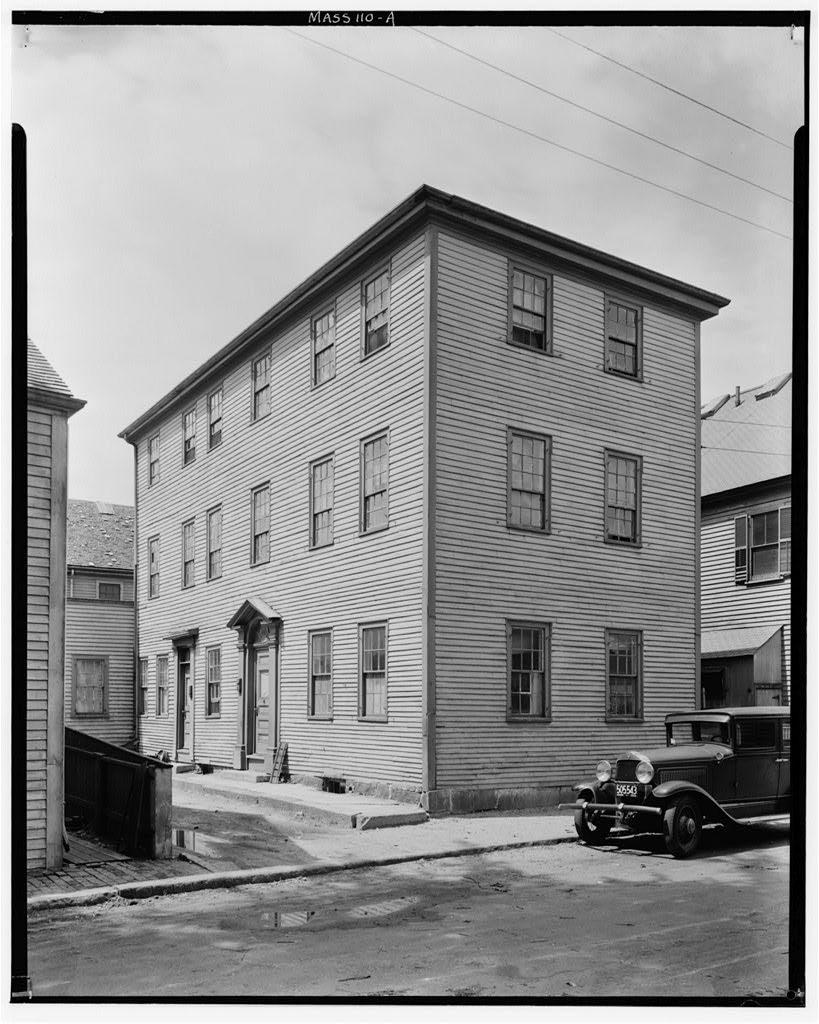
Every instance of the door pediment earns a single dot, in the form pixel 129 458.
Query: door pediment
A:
pixel 251 610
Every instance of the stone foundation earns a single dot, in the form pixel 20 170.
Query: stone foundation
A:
pixel 466 801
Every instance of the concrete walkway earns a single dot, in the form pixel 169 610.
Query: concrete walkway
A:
pixel 318 830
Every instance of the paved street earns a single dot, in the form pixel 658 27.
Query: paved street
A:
pixel 565 920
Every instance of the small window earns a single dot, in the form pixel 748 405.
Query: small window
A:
pixel 261 386
pixel 215 543
pixel 377 312
pixel 215 418
pixel 623 339
pixel 755 733
pixel 373 695
pixel 321 675
pixel 624 674
pixel 529 310
pixel 90 687
pixel 260 545
pixel 323 330
pixel 321 502
pixel 528 673
pixel 109 591
pixel 162 686
pixel 762 546
pixel 529 469
pixel 214 704
pixel 375 473
pixel 623 484
pixel 188 554
pixel 142 692
pixel 189 430
pixel 153 567
pixel 153 460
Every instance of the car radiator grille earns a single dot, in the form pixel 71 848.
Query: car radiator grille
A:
pixel 626 770
pixel 695 775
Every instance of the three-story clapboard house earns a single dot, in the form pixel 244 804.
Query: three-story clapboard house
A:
pixel 432 519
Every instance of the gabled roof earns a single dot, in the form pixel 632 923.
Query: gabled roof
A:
pixel 45 384
pixel 430 203
pixel 747 443
pixel 99 535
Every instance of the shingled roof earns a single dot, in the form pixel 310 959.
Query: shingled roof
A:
pixel 748 441
pixel 45 384
pixel 100 535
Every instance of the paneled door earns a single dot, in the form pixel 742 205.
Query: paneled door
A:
pixel 262 700
pixel 184 700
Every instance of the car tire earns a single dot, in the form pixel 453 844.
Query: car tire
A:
pixel 683 826
pixel 591 827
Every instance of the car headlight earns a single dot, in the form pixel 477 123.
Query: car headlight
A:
pixel 603 771
pixel 644 772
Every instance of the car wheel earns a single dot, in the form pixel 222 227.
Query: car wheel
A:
pixel 683 826
pixel 590 826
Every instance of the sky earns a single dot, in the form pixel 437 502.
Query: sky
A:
pixel 182 179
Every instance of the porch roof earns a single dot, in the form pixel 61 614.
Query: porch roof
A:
pixel 733 643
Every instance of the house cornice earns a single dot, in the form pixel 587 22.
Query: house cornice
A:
pixel 738 494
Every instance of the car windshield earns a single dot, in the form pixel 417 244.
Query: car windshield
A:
pixel 697 731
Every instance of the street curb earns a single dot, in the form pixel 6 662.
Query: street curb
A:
pixel 257 876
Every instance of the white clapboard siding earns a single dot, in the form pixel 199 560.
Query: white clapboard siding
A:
pixel 96 629
pixel 358 579
pixel 83 583
pixel 486 574
pixel 728 605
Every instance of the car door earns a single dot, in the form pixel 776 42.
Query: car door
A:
pixel 784 802
pixel 758 764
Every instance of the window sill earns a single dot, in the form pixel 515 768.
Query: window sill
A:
pixel 624 375
pixel 318 547
pixel 613 542
pixel 543 530
pixel 778 578
pixel 528 719
pixel 373 718
pixel 84 715
pixel 319 718
pixel 265 561
pixel 190 586
pixel 315 387
pixel 626 719
pixel 188 462
pixel 368 355
pixel 210 579
pixel 374 529
pixel 213 718
pixel 213 447
pixel 259 419
pixel 530 348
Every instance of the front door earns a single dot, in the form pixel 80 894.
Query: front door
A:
pixel 261 711
pixel 184 701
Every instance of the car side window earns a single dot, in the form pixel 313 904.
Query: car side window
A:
pixel 755 733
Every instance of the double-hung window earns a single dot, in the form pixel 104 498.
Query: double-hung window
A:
pixel 215 399
pixel 623 486
pixel 91 686
pixel 762 545
pixel 624 684
pixel 260 525
pixel 529 469
pixel 527 693
pixel 321 674
pixel 321 502
pixel 142 692
pixel 153 567
pixel 376 312
pixel 189 431
pixel 261 386
pixel 153 459
pixel 188 554
pixel 624 337
pixel 375 473
pixel 323 330
pixel 214 701
pixel 162 686
pixel 215 543
pixel 373 692
pixel 529 310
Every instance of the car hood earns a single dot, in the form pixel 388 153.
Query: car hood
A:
pixel 675 755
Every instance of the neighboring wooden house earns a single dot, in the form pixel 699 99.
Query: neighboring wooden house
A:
pixel 746 546
pixel 417 520
pixel 50 404
pixel 99 626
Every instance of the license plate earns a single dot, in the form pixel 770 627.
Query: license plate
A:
pixel 626 789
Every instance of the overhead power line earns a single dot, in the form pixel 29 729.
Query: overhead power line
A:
pixel 743 451
pixel 534 135
pixel 603 117
pixel 662 85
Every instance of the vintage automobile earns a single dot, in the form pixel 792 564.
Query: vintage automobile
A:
pixel 724 765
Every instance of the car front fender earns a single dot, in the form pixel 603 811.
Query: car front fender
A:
pixel 667 791
pixel 587 790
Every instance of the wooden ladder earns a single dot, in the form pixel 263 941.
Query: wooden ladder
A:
pixel 278 762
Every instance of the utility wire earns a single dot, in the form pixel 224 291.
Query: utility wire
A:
pixel 603 117
pixel 743 451
pixel 662 85
pixel 533 135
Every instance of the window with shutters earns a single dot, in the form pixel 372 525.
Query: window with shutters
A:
pixel 624 685
pixel 215 417
pixel 527 692
pixel 320 701
pixel 162 686
pixel 623 485
pixel 373 682
pixel 324 340
pixel 189 435
pixel 528 472
pixel 321 502
pixel 188 554
pixel 762 545
pixel 376 300
pixel 624 337
pixel 260 525
pixel 214 701
pixel 530 310
pixel 375 472
pixel 215 543
pixel 261 386
pixel 90 679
